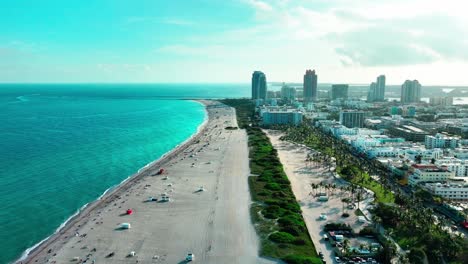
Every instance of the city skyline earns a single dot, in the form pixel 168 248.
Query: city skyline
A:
pixel 154 42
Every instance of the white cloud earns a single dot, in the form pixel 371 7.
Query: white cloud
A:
pixel 260 6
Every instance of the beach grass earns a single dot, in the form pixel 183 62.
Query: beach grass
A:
pixel 275 212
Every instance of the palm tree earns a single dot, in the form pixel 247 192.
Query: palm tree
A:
pixel 344 201
pixel 358 196
pixel 346 246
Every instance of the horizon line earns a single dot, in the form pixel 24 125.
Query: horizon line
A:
pixel 273 83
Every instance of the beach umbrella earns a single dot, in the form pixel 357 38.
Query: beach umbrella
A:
pixel 129 211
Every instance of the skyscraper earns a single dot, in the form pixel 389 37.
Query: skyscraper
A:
pixel 377 90
pixel 259 87
pixel 371 94
pixel 339 91
pixel 380 88
pixel 310 86
pixel 410 92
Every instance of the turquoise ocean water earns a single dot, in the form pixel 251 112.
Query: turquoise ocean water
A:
pixel 62 146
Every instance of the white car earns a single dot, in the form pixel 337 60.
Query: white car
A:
pixel 190 257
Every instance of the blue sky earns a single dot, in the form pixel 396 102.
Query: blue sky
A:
pixel 225 40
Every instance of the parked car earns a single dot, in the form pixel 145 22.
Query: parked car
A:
pixel 190 257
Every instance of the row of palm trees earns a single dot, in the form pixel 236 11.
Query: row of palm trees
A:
pixel 412 219
pixel 334 151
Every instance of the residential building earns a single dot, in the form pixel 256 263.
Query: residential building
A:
pixel 281 118
pixel 377 90
pixel 409 111
pixel 411 153
pixel 259 85
pixel 352 118
pixel 339 91
pixel 409 133
pixel 459 166
pixel 410 92
pixel 429 173
pixel 451 190
pixel 441 141
pixel 310 87
pixel 460 153
pixel 288 93
pixel 441 101
pixel 371 95
pixel 382 151
pixel 380 89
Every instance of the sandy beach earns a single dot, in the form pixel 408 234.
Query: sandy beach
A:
pixel 207 215
pixel 301 175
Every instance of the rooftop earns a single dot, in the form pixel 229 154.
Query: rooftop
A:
pixel 429 168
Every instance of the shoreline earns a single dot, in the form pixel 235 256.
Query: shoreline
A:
pixel 108 194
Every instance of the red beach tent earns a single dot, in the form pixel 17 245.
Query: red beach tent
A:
pixel 129 211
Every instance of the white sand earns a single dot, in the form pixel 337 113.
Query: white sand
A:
pixel 301 175
pixel 214 224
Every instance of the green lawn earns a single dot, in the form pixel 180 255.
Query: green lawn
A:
pixel 367 182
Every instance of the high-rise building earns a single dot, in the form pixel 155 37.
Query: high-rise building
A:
pixel 410 92
pixel 371 94
pixel 259 86
pixel 380 88
pixel 352 118
pixel 339 91
pixel 377 90
pixel 310 86
pixel 288 93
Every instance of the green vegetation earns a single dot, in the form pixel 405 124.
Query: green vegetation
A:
pixel 411 223
pixel 414 228
pixel 275 212
pixel 244 110
pixel 350 167
pixel 357 176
